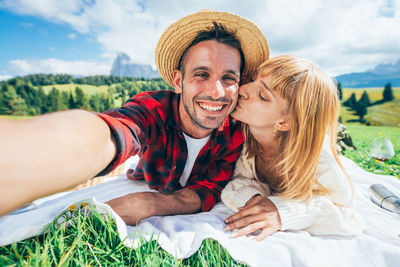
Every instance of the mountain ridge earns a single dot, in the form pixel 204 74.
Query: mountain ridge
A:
pixel 379 76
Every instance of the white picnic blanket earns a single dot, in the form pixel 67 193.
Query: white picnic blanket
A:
pixel 182 235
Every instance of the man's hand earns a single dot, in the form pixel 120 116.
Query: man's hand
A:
pixel 259 213
pixel 135 207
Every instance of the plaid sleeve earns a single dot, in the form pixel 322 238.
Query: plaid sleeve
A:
pixel 124 138
pixel 131 125
pixel 218 174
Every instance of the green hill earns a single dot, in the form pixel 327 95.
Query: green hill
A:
pixel 386 114
pixel 374 93
pixel 87 88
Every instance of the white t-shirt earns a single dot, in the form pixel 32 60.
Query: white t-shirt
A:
pixel 194 146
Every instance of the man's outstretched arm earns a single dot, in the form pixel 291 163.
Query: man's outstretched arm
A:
pixel 135 207
pixel 50 153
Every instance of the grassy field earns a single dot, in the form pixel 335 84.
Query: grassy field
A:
pixel 15 117
pixel 88 89
pixel 387 114
pixel 374 93
pixel 362 137
pixel 93 241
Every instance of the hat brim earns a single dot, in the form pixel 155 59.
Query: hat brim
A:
pixel 179 35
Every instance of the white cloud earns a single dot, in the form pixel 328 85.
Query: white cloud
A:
pixel 339 35
pixel 51 65
pixel 72 36
pixel 342 36
pixel 5 77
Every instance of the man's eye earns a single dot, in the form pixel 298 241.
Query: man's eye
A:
pixel 229 77
pixel 203 75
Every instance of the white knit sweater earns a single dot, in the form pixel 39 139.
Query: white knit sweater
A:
pixel 332 214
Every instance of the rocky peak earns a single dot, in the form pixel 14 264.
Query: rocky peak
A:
pixel 123 66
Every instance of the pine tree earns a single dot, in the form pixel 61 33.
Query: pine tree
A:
pixel 64 97
pixel 107 102
pixel 95 102
pixel 361 111
pixel 28 93
pixel 11 103
pixel 71 101
pixel 53 100
pixel 41 101
pixel 123 96
pixel 81 100
pixel 351 102
pixel 340 91
pixel 365 98
pixel 388 93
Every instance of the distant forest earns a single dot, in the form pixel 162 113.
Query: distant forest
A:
pixel 42 93
pixel 24 96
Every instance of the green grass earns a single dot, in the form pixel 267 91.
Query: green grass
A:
pixel 15 117
pixel 348 115
pixel 362 138
pixel 94 241
pixel 374 93
pixel 88 89
pixel 387 114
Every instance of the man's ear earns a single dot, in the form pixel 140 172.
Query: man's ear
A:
pixel 283 125
pixel 178 81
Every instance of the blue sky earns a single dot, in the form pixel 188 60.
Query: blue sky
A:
pixel 83 37
pixel 33 37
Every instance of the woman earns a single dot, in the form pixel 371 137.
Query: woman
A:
pixel 289 176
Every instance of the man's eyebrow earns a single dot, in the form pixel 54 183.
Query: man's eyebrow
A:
pixel 200 68
pixel 233 72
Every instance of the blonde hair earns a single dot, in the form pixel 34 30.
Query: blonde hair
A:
pixel 313 108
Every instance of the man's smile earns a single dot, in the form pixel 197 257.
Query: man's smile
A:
pixel 211 107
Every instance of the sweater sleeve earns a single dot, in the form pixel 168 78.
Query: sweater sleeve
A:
pixel 331 214
pixel 243 186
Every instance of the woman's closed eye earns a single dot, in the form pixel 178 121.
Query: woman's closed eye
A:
pixel 263 98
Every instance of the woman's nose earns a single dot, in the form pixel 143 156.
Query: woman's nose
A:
pixel 243 92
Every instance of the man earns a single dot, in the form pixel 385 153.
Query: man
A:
pixel 186 142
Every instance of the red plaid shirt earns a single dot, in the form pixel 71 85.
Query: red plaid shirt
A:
pixel 149 125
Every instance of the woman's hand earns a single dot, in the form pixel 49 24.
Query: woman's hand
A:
pixel 259 213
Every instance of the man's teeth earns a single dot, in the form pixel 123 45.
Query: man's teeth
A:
pixel 211 108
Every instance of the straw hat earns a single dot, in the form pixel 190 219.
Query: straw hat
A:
pixel 179 35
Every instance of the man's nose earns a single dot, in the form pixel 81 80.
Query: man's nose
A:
pixel 217 90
